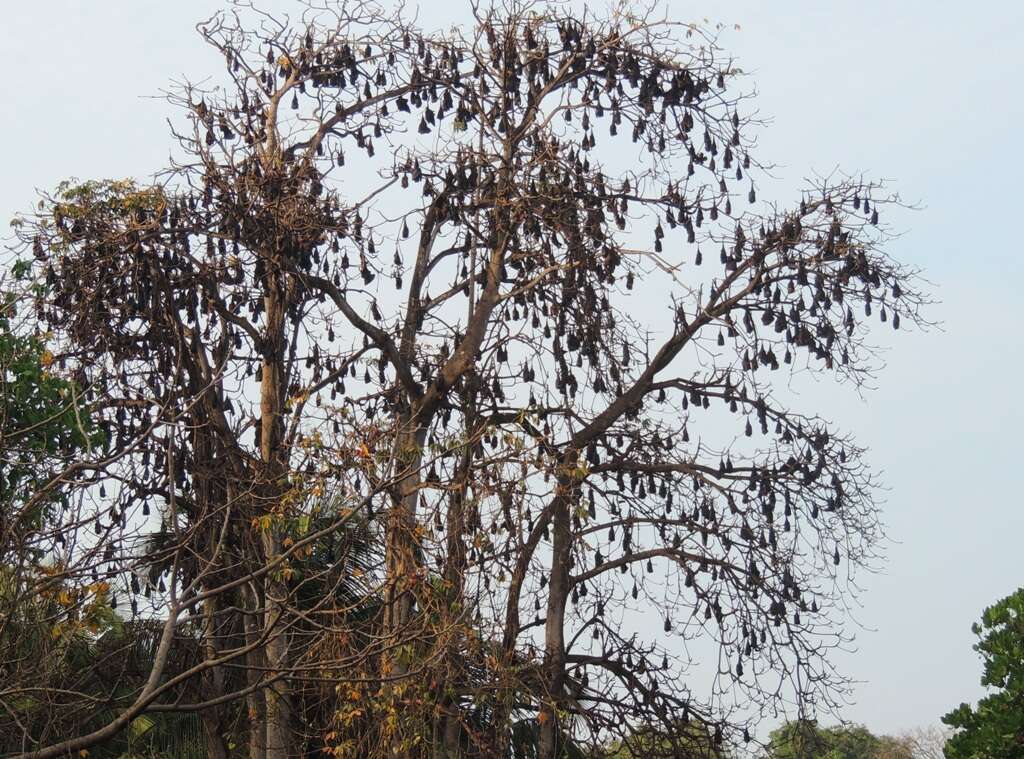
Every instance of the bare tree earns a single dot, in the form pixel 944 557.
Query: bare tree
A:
pixel 394 282
pixel 927 742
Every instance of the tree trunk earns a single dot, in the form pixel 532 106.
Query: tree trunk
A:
pixel 554 629
pixel 401 558
pixel 277 701
pixel 276 695
pixel 213 684
pixel 454 584
pixel 257 705
pixel 212 737
pixel 452 731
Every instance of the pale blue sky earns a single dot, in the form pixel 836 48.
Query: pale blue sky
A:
pixel 922 92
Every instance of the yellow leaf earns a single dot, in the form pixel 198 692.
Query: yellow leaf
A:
pixel 46 358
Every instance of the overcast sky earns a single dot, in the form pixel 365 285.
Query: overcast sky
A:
pixel 922 92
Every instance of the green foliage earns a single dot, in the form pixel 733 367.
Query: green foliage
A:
pixel 800 738
pixel 42 420
pixel 50 642
pixel 95 201
pixel 804 739
pixel 160 736
pixel 994 729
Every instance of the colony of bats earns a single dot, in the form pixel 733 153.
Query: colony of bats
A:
pixel 403 289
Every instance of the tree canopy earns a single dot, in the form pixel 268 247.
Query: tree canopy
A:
pixel 44 422
pixel 805 739
pixel 994 728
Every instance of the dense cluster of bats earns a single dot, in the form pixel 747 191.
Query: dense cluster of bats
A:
pixel 416 271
